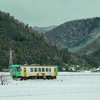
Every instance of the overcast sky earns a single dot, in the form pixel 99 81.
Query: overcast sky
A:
pixel 50 12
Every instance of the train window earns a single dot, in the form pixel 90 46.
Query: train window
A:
pixel 42 69
pixel 46 69
pixel 17 69
pixel 49 69
pixel 31 69
pixel 39 69
pixel 35 69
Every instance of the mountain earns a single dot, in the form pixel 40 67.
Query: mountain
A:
pixel 76 34
pixel 44 29
pixel 91 47
pixel 29 47
pixel 91 52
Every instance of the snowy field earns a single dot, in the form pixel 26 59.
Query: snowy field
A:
pixel 67 86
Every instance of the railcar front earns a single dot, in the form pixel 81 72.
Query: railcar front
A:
pixel 15 71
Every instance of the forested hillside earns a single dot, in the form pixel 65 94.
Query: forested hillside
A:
pixel 28 46
pixel 44 29
pixel 81 37
pixel 76 34
pixel 91 52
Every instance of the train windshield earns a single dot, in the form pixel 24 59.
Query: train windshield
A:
pixel 18 69
pixel 15 68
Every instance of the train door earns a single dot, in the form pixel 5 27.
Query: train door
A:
pixel 25 73
pixel 54 71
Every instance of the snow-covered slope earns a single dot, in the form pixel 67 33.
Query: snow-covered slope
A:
pixel 67 86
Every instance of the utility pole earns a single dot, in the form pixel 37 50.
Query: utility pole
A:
pixel 10 58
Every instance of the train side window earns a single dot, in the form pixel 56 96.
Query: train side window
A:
pixel 49 69
pixel 35 69
pixel 39 69
pixel 46 69
pixel 42 69
pixel 31 69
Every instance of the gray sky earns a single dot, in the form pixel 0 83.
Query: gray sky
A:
pixel 50 12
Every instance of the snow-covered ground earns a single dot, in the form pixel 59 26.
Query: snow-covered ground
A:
pixel 67 86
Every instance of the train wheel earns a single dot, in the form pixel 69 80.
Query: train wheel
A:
pixel 44 77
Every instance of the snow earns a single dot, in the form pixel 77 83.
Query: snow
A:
pixel 67 86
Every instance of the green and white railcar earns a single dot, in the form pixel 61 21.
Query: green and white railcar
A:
pixel 33 71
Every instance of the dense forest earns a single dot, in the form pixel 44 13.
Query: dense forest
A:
pixel 76 34
pixel 29 47
pixel 81 37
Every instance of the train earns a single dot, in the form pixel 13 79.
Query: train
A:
pixel 33 72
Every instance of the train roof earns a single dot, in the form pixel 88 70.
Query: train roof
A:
pixel 33 65
pixel 38 66
pixel 14 66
